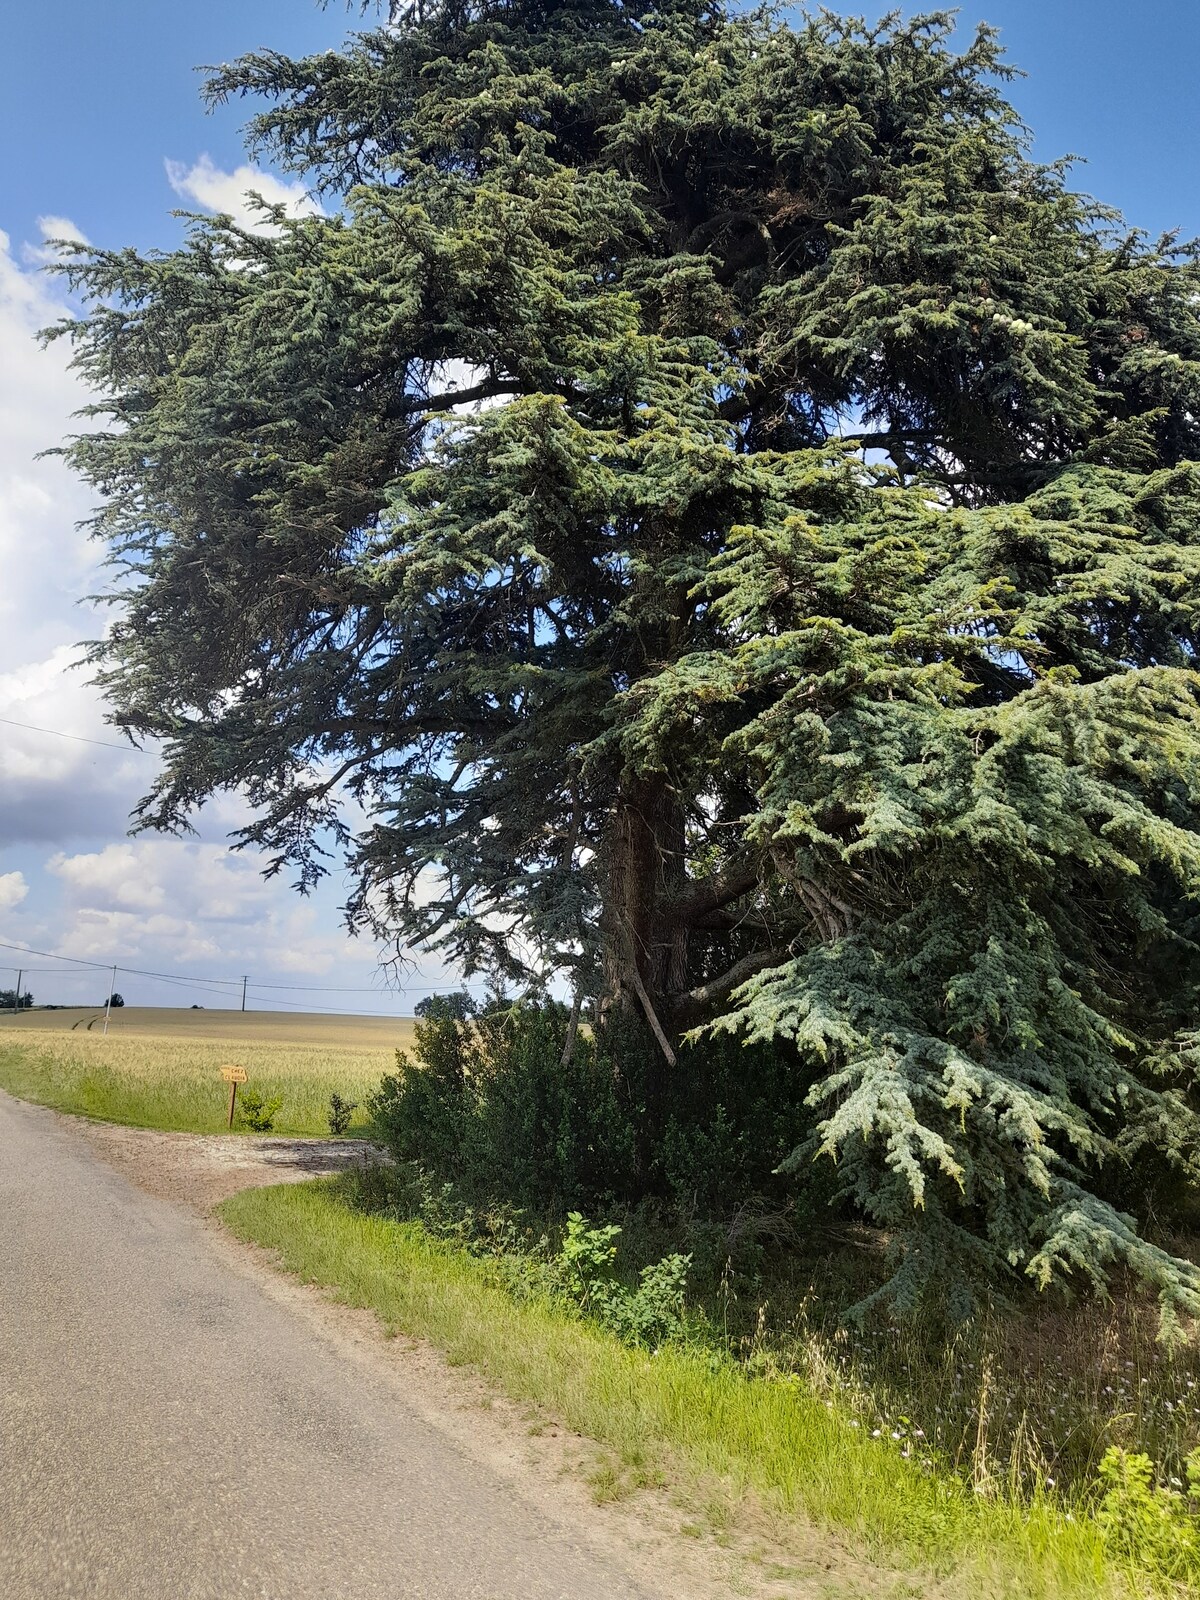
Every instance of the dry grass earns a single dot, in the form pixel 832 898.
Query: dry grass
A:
pixel 161 1069
pixel 1029 1402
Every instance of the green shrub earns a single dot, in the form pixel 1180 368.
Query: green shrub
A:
pixel 340 1112
pixel 256 1113
pixel 650 1314
pixel 585 1259
pixel 489 1105
pixel 1145 1526
pixel 456 1007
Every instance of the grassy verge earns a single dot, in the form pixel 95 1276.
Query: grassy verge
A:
pixel 175 1083
pixel 702 1424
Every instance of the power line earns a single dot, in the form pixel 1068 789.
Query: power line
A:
pixel 57 733
pixel 205 985
pixel 336 1011
pixel 51 955
pixel 323 988
pixel 218 986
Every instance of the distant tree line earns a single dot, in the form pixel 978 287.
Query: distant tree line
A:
pixel 10 1000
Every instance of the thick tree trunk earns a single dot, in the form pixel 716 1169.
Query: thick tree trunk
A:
pixel 645 950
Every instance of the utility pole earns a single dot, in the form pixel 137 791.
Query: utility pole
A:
pixel 17 996
pixel 245 980
pixel 108 1008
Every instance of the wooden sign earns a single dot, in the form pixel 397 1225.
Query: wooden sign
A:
pixel 233 1076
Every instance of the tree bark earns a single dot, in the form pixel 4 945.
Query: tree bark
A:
pixel 645 950
pixel 645 869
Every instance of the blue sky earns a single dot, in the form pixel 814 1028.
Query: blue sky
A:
pixel 94 97
pixel 101 125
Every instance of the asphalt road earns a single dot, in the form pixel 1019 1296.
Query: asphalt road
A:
pixel 169 1431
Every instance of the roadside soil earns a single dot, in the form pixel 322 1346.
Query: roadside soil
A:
pixel 678 1546
pixel 199 1170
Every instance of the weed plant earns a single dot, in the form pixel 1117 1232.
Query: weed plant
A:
pixel 1032 1403
pixel 341 1114
pixel 257 1113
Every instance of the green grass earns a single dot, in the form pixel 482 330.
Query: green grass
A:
pixel 171 1081
pixel 722 1439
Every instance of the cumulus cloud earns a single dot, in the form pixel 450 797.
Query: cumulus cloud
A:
pixel 13 889
pixel 57 784
pixel 51 787
pixel 45 560
pixel 229 193
pixel 195 908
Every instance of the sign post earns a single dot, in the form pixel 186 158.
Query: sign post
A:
pixel 233 1076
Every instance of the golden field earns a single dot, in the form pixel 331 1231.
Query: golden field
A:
pixel 160 1068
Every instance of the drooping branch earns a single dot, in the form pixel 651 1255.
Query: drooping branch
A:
pixel 698 1003
pixel 652 1017
pixel 490 389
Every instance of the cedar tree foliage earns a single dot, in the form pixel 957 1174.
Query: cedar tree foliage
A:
pixel 728 521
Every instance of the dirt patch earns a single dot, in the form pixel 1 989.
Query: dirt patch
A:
pixel 201 1169
pixel 674 1545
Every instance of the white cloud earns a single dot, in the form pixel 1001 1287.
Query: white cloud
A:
pixel 55 787
pixel 44 559
pixel 61 228
pixel 212 189
pixel 174 906
pixel 13 889
pixel 47 784
pixel 53 230
pixel 57 784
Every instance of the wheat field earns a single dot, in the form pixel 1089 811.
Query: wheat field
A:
pixel 161 1068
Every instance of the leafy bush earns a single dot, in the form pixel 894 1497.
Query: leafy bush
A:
pixel 456 1007
pixel 490 1105
pixel 585 1259
pixel 340 1112
pixel 581 1269
pixel 1145 1525
pixel 256 1113
pixel 650 1315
